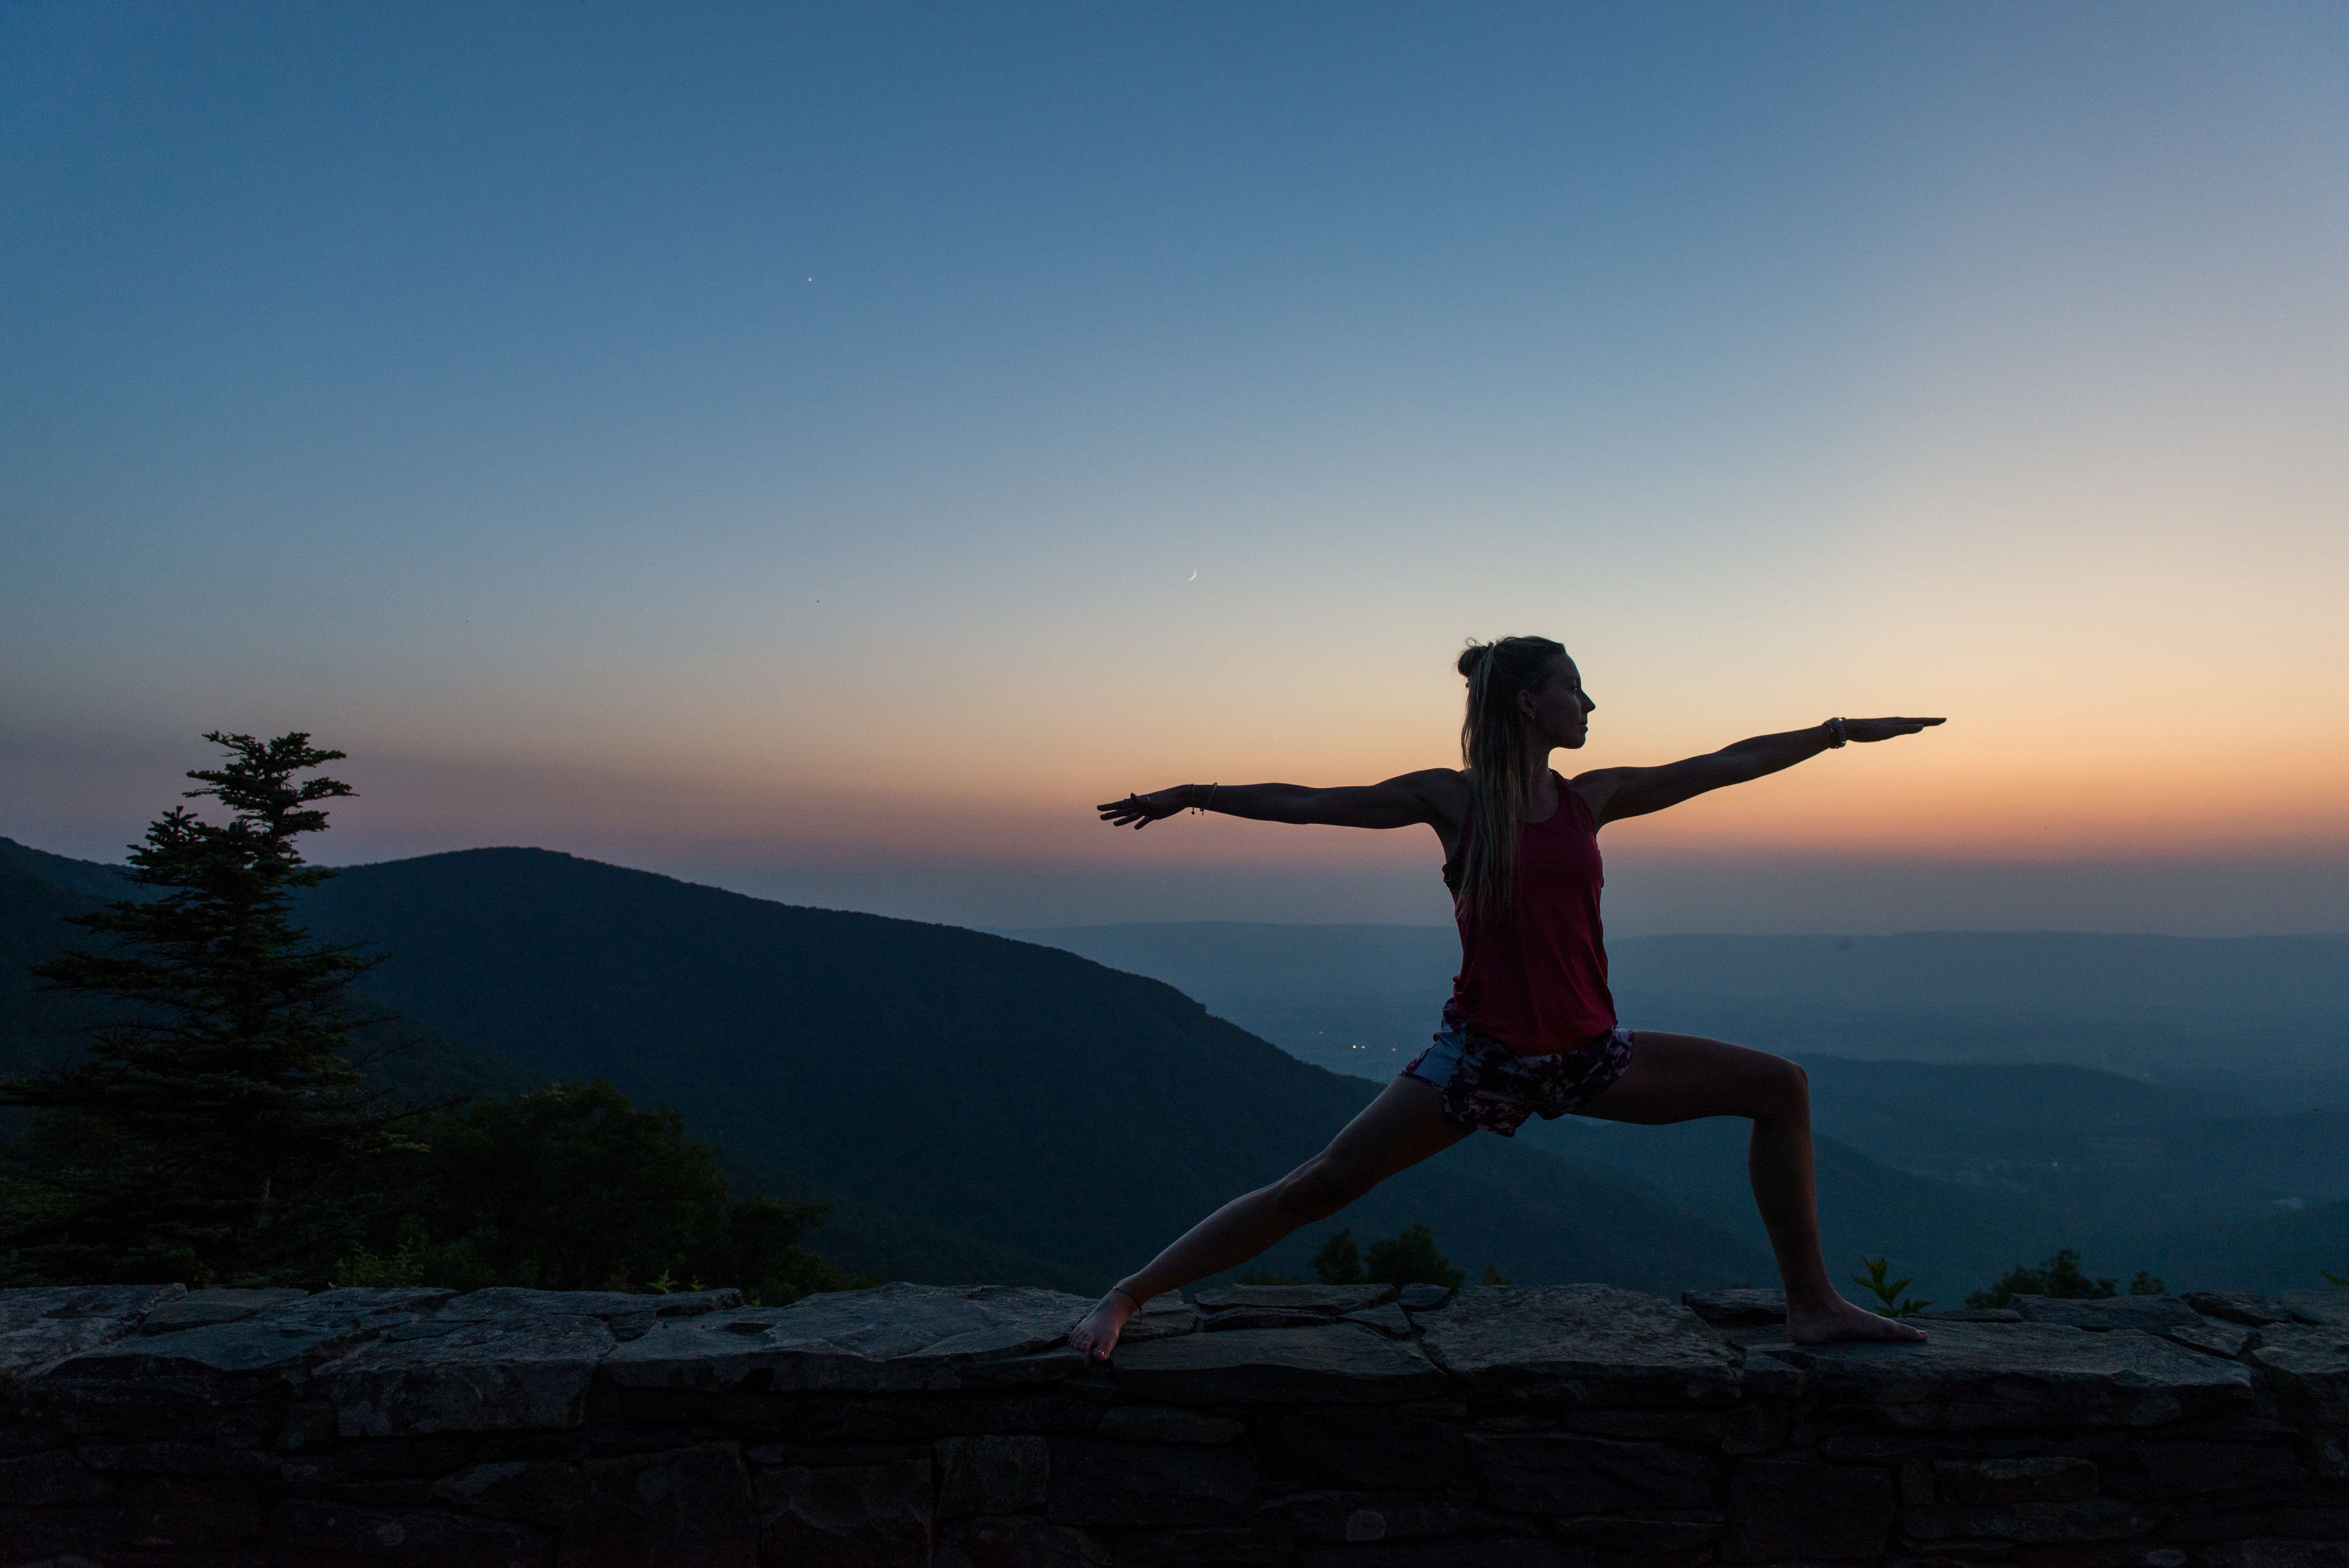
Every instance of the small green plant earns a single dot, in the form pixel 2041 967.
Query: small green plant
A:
pixel 2339 1282
pixel 2060 1276
pixel 2146 1284
pixel 1492 1275
pixel 1887 1294
pixel 404 1267
pixel 1340 1261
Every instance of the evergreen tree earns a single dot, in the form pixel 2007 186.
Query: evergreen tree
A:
pixel 216 1131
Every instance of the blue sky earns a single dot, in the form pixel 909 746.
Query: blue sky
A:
pixel 776 443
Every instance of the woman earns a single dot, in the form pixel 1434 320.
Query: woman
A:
pixel 1530 1029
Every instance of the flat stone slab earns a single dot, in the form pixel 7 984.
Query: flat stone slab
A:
pixel 1329 1299
pixel 1342 1363
pixel 203 1308
pixel 491 1361
pixel 230 1382
pixel 41 1325
pixel 1583 1344
pixel 2237 1306
pixel 895 1338
pixel 2308 1367
pixel 1970 1376
pixel 1741 1308
pixel 2330 1308
pixel 2106 1313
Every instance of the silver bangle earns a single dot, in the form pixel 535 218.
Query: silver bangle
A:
pixel 1837 739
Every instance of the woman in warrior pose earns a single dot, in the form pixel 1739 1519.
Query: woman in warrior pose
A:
pixel 1530 1029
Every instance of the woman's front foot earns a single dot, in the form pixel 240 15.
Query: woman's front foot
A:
pixel 1096 1334
pixel 1837 1321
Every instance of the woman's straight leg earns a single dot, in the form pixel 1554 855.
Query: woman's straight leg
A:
pixel 1681 1078
pixel 1404 1125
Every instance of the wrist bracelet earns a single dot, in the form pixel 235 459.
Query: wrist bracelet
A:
pixel 1837 739
pixel 1210 801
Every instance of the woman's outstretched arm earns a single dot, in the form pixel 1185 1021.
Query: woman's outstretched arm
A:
pixel 1398 802
pixel 1613 793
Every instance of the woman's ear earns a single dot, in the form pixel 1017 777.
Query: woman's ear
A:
pixel 1524 702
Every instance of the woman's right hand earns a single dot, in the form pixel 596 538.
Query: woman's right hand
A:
pixel 1141 810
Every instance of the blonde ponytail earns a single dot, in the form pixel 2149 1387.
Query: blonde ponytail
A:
pixel 1500 779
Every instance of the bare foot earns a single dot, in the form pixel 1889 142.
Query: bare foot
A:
pixel 1838 1321
pixel 1096 1335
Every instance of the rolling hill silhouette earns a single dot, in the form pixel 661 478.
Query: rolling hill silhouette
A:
pixel 985 1108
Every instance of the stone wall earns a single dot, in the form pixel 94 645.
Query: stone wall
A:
pixel 1324 1428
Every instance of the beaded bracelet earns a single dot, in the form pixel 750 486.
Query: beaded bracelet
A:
pixel 1837 739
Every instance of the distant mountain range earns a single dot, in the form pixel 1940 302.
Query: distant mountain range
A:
pixel 985 1108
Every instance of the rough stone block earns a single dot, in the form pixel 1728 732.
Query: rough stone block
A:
pixel 1767 1377
pixel 528 1368
pixel 1985 1482
pixel 1135 1486
pixel 203 1308
pixel 2163 1472
pixel 1475 1552
pixel 232 1383
pixel 1741 1308
pixel 1646 1537
pixel 1354 1515
pixel 536 1491
pixel 991 1475
pixel 2090 1519
pixel 1564 1474
pixel 1330 1300
pixel 1360 1449
pixel 1160 1424
pixel 1968 1315
pixel 1423 1297
pixel 1239 1548
pixel 2108 1312
pixel 345 1534
pixel 896 1338
pixel 1783 1509
pixel 185 1514
pixel 854 1516
pixel 2276 1554
pixel 50 1480
pixel 2238 1306
pixel 1017 1540
pixel 685 1505
pixel 1341 1362
pixel 178 1459
pixel 2306 1367
pixel 2328 1308
pixel 1583 1344
pixel 2025 1375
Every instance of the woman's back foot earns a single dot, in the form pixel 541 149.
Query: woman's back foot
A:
pixel 1839 1321
pixel 1096 1333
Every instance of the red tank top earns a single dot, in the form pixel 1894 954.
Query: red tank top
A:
pixel 1537 982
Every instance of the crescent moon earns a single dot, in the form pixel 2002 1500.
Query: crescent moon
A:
pixel 1193 578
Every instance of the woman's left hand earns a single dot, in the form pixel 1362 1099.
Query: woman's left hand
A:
pixel 1141 810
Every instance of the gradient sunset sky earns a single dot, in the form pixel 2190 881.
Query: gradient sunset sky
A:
pixel 823 449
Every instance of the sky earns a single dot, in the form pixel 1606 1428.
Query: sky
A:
pixel 823 449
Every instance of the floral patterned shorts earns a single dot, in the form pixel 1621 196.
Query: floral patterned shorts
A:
pixel 1486 1084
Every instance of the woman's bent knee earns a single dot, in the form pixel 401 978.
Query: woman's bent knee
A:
pixel 1783 1092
